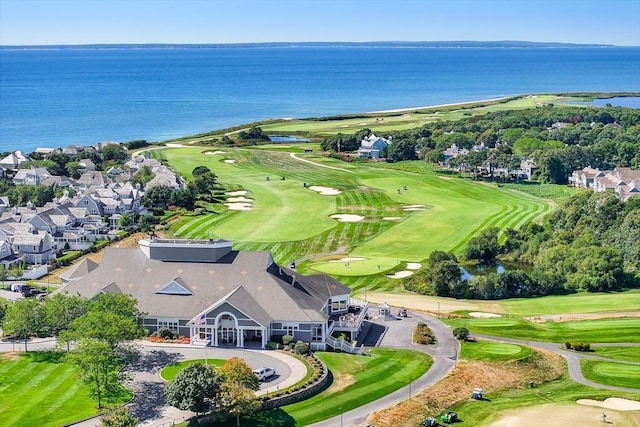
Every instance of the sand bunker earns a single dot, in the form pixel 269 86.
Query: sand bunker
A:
pixel 559 415
pixel 347 217
pixel 239 200
pixel 229 161
pixel 413 265
pixel 414 208
pixel 236 193
pixel 325 191
pixel 391 218
pixel 483 315
pixel 239 206
pixel 400 274
pixel 347 259
pixel 612 403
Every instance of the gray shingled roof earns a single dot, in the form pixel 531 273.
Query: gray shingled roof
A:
pixel 249 280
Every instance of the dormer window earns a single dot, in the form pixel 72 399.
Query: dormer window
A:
pixel 175 287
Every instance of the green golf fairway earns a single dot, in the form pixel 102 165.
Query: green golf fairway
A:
pixel 611 373
pixel 403 216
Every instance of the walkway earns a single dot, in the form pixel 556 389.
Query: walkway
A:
pixel 318 164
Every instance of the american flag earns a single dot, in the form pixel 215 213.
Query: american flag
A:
pixel 202 319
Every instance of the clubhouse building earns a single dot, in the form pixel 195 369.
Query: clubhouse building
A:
pixel 218 296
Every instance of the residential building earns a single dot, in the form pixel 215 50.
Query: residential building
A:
pixel 371 146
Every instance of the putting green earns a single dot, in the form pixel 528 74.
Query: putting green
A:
pixel 612 373
pixel 486 350
pixel 355 267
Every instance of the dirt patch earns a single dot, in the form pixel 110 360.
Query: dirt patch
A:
pixel 580 316
pixel 562 415
pixel 457 386
pixel 11 356
pixel 612 403
pixel 340 382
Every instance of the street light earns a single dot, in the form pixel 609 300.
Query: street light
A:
pixel 438 309
pixel 341 416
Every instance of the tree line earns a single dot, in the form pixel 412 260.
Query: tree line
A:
pixel 591 243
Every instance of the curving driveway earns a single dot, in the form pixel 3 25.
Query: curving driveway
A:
pixel 399 334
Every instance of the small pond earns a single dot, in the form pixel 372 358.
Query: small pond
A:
pixel 282 138
pixel 469 271
pixel 618 101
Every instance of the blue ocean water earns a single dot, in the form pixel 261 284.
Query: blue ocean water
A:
pixel 82 96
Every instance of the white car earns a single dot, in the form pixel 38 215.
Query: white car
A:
pixel 264 373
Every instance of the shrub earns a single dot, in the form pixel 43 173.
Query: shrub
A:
pixel 577 346
pixel 287 339
pixel 301 347
pixel 461 333
pixel 166 334
pixel 586 347
pixel 567 345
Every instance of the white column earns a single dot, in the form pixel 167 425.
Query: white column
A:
pixel 214 333
pixel 240 340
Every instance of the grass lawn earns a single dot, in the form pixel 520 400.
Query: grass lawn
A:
pixel 40 389
pixel 358 380
pixel 577 303
pixel 611 373
pixel 483 413
pixel 493 351
pixel 588 331
pixel 628 354
pixel 295 220
pixel 171 371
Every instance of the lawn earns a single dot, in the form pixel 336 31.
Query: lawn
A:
pixel 493 351
pixel 483 413
pixel 171 371
pixel 40 389
pixel 294 221
pixel 628 354
pixel 611 373
pixel 577 303
pixel 358 380
pixel 587 331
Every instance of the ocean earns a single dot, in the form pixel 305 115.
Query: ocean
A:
pixel 53 98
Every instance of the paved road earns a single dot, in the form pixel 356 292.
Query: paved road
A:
pixel 572 358
pixel 399 335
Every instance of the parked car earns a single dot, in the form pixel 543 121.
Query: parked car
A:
pixel 264 373
pixel 17 287
pixel 27 291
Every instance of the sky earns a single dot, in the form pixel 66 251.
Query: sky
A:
pixel 46 22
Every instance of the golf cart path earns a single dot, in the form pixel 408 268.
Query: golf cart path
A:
pixel 572 358
pixel 444 354
pixel 318 164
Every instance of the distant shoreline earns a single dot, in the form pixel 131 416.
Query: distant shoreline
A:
pixel 453 104
pixel 505 44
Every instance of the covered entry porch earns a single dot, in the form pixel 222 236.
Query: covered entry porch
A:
pixel 226 329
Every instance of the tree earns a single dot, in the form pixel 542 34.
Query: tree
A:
pixel 144 175
pixel 98 366
pixel 157 198
pixel 461 333
pixel 24 318
pixel 196 388
pixel 73 169
pixel 110 318
pixel 146 222
pixel 125 220
pixel 237 391
pixel 484 247
pixel 115 153
pixel 118 417
pixel 62 309
pixel 404 149
pixel 4 274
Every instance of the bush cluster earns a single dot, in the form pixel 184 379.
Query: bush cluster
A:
pixel 422 334
pixel 578 346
